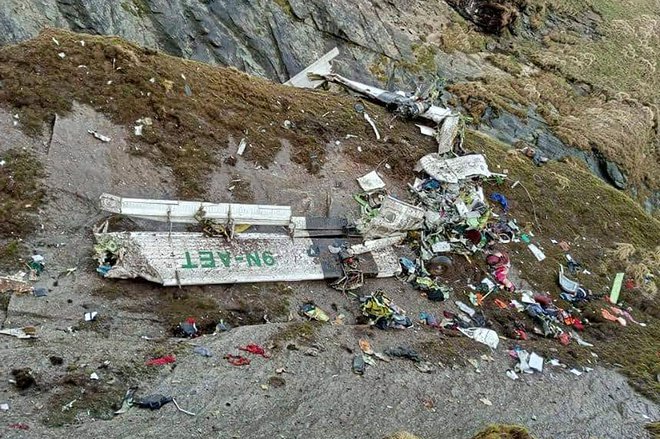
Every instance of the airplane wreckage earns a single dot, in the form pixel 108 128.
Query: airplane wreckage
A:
pixel 241 243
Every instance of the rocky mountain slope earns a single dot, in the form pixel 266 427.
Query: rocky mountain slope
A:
pixel 61 85
pixel 569 77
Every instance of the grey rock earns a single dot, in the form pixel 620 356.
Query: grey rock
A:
pixel 618 178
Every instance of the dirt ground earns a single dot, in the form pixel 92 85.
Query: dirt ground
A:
pixel 317 394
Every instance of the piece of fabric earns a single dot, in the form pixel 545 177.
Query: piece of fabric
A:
pixel 254 349
pixel 161 361
pixel 237 360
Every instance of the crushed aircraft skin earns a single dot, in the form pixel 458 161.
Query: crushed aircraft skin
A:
pixel 185 258
pixel 407 105
pixel 223 214
pixel 176 211
pixel 455 169
pixel 321 66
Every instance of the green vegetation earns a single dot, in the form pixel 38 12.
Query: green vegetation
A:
pixel 294 331
pixel 502 431
pixel 286 6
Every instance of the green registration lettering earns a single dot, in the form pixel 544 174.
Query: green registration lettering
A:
pixel 225 258
pixel 268 259
pixel 188 263
pixel 253 258
pixel 206 259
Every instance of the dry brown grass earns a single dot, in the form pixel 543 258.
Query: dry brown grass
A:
pixel 21 193
pixel 502 431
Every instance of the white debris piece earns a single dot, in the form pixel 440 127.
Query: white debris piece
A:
pixel 447 134
pixel 138 129
pixel 441 247
pixel 89 316
pixel 62 55
pixel 377 244
pixel 536 362
pixel 55 41
pixel 25 332
pixel 453 170
pixel 320 67
pixel 241 146
pixel 4 407
pixel 575 372
pixel 371 182
pixel 373 125
pixel 101 137
pixel 177 211
pixel 486 401
pixel 183 258
pixel 394 216
pixel 512 374
pixel 482 335
pixel 427 131
pixel 94 376
pixel 540 256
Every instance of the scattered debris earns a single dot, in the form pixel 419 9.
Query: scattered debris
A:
pixel 486 401
pixel 383 312
pixel 616 288
pixel 237 360
pixel 373 125
pixel 40 292
pixel 24 332
pixel 403 352
pixel 19 426
pixel 427 131
pixel 313 312
pixel 540 256
pixel 203 351
pixel 371 182
pixel 424 367
pixel 447 134
pixel 4 407
pixel 12 285
pixel 365 347
pixel 241 147
pixel 161 361
pixel 482 335
pixel 358 364
pixel 90 316
pixel 254 349
pixel 536 362
pixel 189 327
pixel 153 402
pixel 455 169
pixel 101 137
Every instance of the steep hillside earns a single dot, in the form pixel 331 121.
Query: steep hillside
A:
pixel 304 148
pixel 570 77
